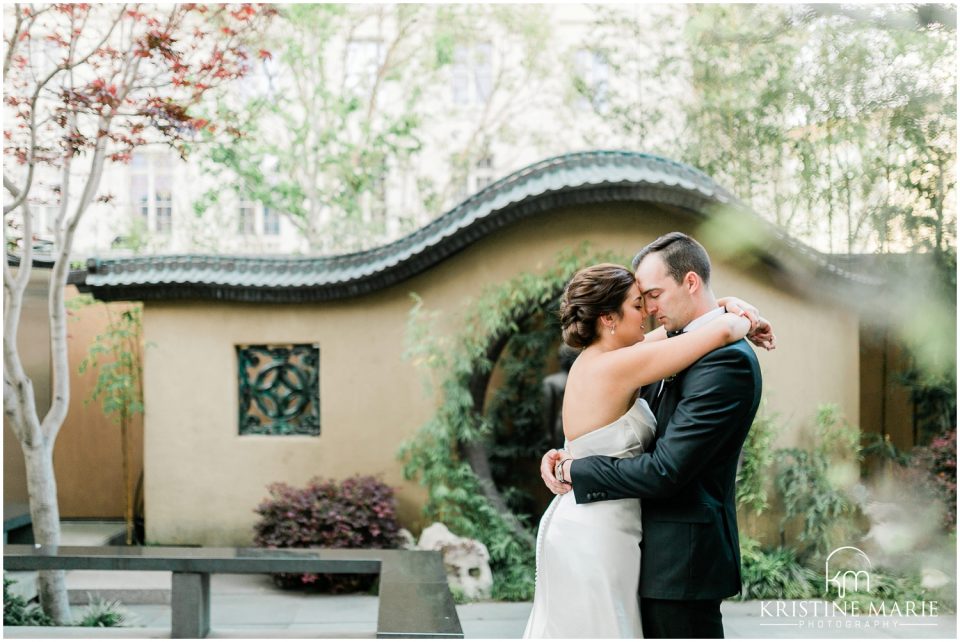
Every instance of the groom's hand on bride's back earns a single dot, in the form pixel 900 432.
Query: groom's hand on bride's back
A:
pixel 547 466
pixel 763 336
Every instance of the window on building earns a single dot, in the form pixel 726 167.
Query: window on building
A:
pixel 472 80
pixel 463 189
pixel 47 221
pixel 140 188
pixel 479 175
pixel 378 200
pixel 151 190
pixel 483 172
pixel 43 227
pixel 246 219
pixel 279 388
pixel 163 202
pixel 364 58
pixel 593 77
pixel 271 222
pixel 483 181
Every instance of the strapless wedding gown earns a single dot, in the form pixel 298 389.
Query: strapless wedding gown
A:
pixel 588 555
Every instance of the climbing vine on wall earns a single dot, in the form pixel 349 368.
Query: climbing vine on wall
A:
pixel 450 454
pixel 516 413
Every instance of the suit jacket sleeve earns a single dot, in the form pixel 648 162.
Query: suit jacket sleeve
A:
pixel 717 392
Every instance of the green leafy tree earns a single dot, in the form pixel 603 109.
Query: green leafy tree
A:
pixel 323 120
pixel 116 356
pixel 501 54
pixel 340 111
pixel 835 123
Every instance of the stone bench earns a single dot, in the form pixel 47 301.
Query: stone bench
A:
pixel 414 599
pixel 17 524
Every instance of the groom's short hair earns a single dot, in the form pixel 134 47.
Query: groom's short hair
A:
pixel 680 253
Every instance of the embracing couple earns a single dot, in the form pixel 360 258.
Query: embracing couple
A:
pixel 646 418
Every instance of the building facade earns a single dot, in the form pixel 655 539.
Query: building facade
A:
pixel 484 115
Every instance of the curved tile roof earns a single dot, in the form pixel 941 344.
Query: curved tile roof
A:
pixel 570 179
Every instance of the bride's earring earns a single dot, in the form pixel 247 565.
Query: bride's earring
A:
pixel 612 330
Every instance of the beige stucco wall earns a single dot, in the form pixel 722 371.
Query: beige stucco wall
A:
pixel 88 457
pixel 203 480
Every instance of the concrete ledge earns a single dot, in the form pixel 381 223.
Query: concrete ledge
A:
pixel 303 634
pixel 84 632
pixel 148 633
pixel 82 597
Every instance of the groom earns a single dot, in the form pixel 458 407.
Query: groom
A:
pixel 691 550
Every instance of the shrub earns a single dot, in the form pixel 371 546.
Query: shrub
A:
pixel 883 449
pixel 927 473
pixel 889 587
pixel 814 484
pixel 16 611
pixel 755 461
pixel 360 512
pixel 940 460
pixel 104 613
pixel 776 574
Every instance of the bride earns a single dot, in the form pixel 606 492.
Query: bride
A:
pixel 588 556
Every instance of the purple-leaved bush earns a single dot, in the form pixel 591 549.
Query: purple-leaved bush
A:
pixel 939 460
pixel 359 512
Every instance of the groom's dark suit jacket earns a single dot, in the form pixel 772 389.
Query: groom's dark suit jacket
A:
pixel 691 548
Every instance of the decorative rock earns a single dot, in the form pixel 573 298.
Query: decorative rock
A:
pixel 467 560
pixel 409 542
pixel 934 578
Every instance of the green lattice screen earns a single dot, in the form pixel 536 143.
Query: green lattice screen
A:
pixel 279 389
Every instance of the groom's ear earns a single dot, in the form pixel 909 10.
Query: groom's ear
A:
pixel 692 282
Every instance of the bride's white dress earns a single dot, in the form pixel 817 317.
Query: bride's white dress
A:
pixel 588 555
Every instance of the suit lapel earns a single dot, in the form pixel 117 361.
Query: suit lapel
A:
pixel 667 403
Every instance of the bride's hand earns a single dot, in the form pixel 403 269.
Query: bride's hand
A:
pixel 547 464
pixel 740 307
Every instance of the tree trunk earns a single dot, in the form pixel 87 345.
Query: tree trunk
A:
pixel 127 486
pixel 45 513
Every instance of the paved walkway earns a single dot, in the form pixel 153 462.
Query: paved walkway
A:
pixel 244 606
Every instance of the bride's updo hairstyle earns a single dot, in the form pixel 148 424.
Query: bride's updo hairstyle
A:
pixel 592 292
